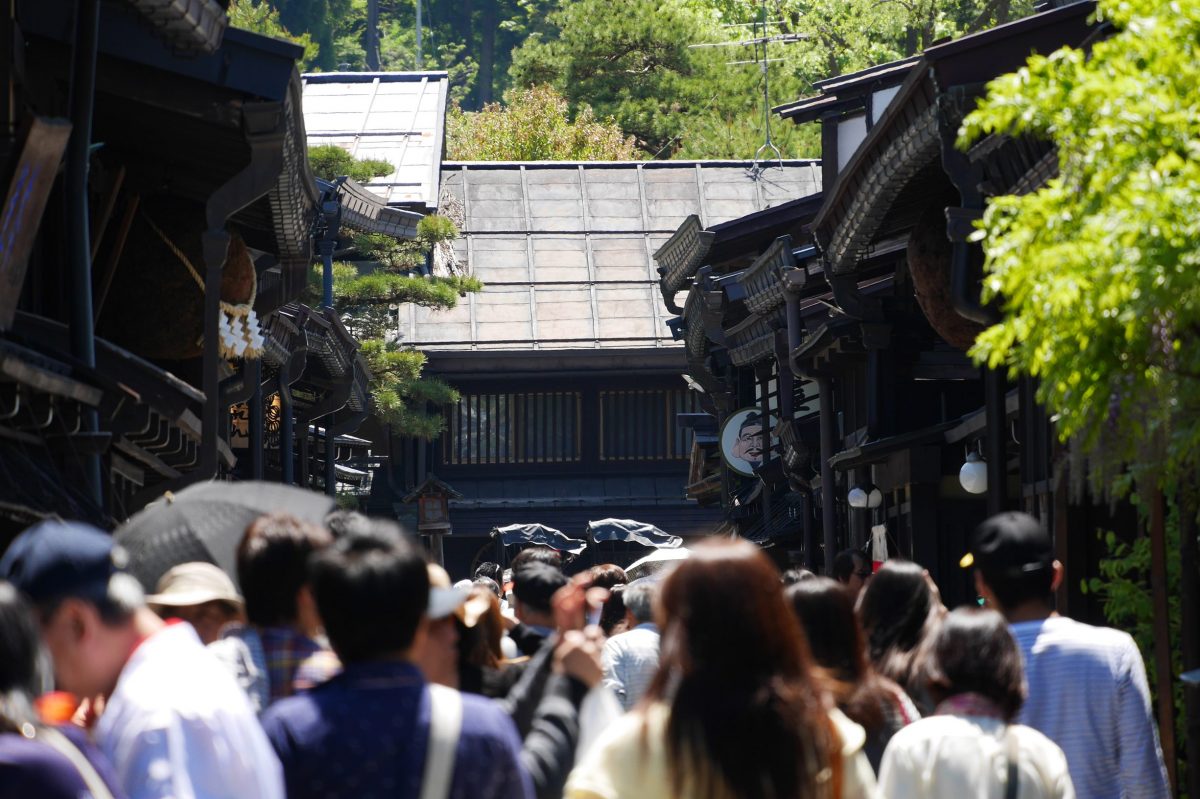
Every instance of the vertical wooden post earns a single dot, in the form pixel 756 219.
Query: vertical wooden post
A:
pixel 1162 634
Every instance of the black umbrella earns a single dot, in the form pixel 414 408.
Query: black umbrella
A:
pixel 206 521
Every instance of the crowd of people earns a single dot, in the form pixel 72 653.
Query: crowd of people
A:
pixel 338 662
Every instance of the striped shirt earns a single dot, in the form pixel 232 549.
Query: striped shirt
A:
pixel 630 663
pixel 1088 693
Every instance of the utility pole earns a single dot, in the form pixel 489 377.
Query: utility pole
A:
pixel 373 35
pixel 419 26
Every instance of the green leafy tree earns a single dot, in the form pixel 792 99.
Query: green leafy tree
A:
pixel 534 125
pixel 1096 272
pixel 330 162
pixel 387 273
pixel 260 16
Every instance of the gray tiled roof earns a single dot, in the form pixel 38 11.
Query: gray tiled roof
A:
pixel 398 117
pixel 565 249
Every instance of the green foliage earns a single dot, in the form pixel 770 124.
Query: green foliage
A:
pixel 436 228
pixel 365 295
pixel 260 17
pixel 534 125
pixel 1096 271
pixel 1126 597
pixel 330 162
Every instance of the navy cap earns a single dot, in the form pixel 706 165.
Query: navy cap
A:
pixel 1009 545
pixel 56 559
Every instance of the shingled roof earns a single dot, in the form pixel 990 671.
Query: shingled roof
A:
pixel 565 249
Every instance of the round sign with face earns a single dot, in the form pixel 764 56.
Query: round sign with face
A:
pixel 743 440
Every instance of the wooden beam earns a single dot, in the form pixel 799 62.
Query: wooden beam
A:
pixel 114 255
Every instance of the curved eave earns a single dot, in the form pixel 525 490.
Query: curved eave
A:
pixel 680 257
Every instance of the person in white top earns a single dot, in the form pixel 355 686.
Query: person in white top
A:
pixel 631 659
pixel 970 748
pixel 1087 685
pixel 174 722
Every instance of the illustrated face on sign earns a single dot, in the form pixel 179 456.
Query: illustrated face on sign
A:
pixel 749 444
pixel 743 440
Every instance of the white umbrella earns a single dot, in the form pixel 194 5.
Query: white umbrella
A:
pixel 655 562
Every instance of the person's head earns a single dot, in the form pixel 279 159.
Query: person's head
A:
pixel 851 568
pixel 436 651
pixel 85 601
pixel 489 584
pixel 490 570
pixel 825 608
pixel 481 628
pixel 372 589
pixel 612 617
pixel 1014 563
pixel 793 576
pixel 534 585
pixel 974 652
pixel 640 597
pixel 21 660
pixel 898 610
pixel 546 555
pixel 200 594
pixel 749 443
pixel 272 565
pixel 606 575
pixel 747 718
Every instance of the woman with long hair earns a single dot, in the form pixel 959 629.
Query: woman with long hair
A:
pixel 899 610
pixel 825 608
pixel 736 709
pixel 971 747
pixel 37 760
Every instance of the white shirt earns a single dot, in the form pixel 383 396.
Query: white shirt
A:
pixel 1088 693
pixel 630 661
pixel 965 757
pixel 177 725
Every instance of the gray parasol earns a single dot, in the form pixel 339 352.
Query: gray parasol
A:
pixel 206 521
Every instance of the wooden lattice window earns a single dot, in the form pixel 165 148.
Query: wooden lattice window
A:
pixel 641 426
pixel 539 427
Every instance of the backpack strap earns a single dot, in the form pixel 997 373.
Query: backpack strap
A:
pixel 445 724
pixel 1012 753
pixel 62 744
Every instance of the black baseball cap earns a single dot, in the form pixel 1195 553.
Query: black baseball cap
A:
pixel 1009 544
pixel 57 559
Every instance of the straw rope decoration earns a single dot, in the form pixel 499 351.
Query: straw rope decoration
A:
pixel 237 325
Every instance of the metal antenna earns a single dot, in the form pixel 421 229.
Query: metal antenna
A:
pixel 760 38
pixel 767 144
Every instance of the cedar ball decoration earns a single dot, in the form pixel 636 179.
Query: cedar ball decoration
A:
pixel 929 257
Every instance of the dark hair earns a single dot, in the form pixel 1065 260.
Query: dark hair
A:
pixel 20 651
pixel 973 651
pixel 1013 590
pixel 490 570
pixel 747 716
pixel 272 565
pixel 371 588
pixel 607 575
pixel 479 645
pixel 614 609
pixel 752 420
pixel 844 565
pixel 825 609
pixel 535 584
pixel 546 555
pixel 489 584
pixel 793 576
pixel 898 611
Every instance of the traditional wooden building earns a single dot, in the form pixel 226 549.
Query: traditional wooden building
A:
pixel 155 286
pixel 849 333
pixel 569 374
